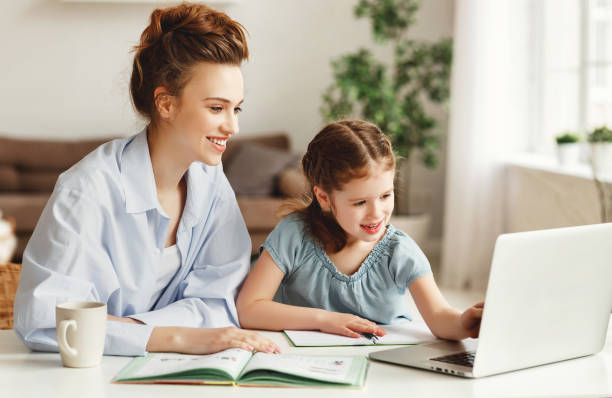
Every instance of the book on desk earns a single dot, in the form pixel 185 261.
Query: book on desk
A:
pixel 243 368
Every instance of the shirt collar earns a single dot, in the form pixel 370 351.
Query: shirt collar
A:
pixel 140 189
pixel 137 176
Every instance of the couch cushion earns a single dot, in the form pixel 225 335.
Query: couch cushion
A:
pixel 9 178
pixel 38 180
pixel 260 214
pixel 255 169
pixel 293 183
pixel 44 154
pixel 24 208
pixel 278 140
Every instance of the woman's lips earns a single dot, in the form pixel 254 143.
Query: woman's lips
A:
pixel 218 143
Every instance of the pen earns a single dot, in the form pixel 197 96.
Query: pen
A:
pixel 370 336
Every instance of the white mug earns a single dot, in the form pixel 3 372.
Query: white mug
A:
pixel 80 332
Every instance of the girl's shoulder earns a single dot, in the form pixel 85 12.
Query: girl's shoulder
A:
pixel 399 245
pixel 292 224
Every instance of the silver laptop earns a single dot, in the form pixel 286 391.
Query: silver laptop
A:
pixel 548 299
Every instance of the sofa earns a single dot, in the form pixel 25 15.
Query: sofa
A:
pixel 262 169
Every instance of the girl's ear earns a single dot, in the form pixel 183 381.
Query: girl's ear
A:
pixel 164 102
pixel 322 198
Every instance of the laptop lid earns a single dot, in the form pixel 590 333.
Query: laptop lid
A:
pixel 548 298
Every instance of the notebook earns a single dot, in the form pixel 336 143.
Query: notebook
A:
pixel 400 334
pixel 243 368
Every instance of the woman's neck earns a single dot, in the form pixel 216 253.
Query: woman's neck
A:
pixel 168 161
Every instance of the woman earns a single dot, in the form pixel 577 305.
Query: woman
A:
pixel 149 224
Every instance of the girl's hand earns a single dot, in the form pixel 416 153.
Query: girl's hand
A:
pixel 207 341
pixel 469 321
pixel 348 325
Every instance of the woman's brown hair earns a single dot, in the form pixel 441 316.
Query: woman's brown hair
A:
pixel 340 152
pixel 176 39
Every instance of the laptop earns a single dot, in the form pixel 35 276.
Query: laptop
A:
pixel 548 299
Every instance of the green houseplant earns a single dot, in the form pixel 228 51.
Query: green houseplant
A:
pixel 568 148
pixel 396 96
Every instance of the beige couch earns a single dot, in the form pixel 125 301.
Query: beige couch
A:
pixel 260 168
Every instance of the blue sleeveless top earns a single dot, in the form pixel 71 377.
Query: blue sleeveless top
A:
pixel 375 292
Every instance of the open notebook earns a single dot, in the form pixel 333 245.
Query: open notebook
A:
pixel 243 368
pixel 401 334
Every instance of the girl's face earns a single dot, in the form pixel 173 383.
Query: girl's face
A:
pixel 205 115
pixel 363 206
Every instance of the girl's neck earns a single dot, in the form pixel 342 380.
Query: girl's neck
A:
pixel 350 258
pixel 168 161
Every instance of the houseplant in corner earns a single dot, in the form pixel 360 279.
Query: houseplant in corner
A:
pixel 396 96
pixel 568 148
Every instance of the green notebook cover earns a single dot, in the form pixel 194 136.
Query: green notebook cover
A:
pixel 242 368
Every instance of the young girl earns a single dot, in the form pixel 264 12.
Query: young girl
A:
pixel 334 263
pixel 149 224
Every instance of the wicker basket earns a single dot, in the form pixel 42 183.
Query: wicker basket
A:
pixel 9 280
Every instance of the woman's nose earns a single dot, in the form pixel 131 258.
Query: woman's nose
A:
pixel 230 125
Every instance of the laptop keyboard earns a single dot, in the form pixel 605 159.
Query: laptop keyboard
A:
pixel 462 359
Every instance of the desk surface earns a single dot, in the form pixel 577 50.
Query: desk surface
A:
pixel 28 374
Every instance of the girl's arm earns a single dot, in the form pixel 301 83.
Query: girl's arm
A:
pixel 444 321
pixel 257 310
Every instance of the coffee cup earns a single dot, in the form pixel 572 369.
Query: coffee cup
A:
pixel 80 332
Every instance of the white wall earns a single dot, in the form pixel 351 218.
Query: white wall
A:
pixel 65 67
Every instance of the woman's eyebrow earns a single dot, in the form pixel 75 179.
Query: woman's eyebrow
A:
pixel 222 100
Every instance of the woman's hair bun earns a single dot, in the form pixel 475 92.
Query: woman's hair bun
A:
pixel 176 39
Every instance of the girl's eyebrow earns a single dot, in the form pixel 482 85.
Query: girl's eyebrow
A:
pixel 366 197
pixel 222 100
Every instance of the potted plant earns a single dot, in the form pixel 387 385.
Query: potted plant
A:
pixel 568 148
pixel 601 150
pixel 396 97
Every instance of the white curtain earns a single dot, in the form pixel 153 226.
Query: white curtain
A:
pixel 489 118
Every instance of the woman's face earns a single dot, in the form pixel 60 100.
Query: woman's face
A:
pixel 205 115
pixel 363 206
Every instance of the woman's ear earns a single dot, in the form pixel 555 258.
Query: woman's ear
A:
pixel 322 198
pixel 164 102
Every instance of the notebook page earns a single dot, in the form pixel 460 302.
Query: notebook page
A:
pixel 232 361
pixel 407 333
pixel 335 369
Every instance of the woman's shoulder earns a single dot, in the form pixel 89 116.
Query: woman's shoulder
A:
pixel 99 170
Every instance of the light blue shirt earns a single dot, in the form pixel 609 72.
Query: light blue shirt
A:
pixel 375 292
pixel 101 236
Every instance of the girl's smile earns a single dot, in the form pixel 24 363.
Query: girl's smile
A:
pixel 372 229
pixel 363 206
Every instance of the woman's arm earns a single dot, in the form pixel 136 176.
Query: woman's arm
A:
pixel 202 341
pixel 257 310
pixel 444 321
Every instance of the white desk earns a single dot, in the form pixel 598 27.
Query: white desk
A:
pixel 27 374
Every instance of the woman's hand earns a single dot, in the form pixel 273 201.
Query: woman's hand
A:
pixel 469 320
pixel 207 341
pixel 348 325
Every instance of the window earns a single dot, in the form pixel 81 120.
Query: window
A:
pixel 571 68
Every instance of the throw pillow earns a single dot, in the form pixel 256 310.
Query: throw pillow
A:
pixel 255 168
